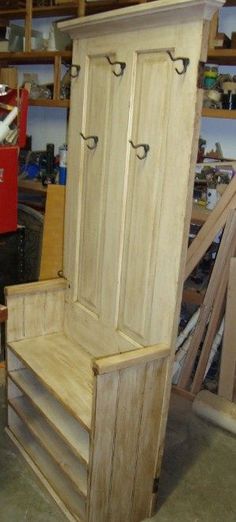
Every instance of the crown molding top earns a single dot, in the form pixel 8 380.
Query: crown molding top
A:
pixel 141 16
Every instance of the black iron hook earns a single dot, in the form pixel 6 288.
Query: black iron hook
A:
pixel 145 146
pixel 185 62
pixel 94 138
pixel 121 64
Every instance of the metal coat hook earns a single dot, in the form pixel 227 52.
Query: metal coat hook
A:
pixel 121 64
pixel 145 146
pixel 71 67
pixel 185 62
pixel 94 138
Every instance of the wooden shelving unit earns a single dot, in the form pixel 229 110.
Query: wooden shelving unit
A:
pixel 222 56
pixel 56 58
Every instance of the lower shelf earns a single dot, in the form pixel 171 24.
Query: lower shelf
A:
pixel 49 470
pixel 60 420
pixel 51 442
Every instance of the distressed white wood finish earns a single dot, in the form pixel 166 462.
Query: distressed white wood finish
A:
pixel 137 238
pixel 35 309
pixel 125 248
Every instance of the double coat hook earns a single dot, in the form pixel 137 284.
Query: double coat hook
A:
pixel 93 138
pixel 145 147
pixel 121 64
pixel 185 62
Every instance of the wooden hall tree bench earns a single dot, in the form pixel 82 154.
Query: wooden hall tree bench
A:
pixel 90 356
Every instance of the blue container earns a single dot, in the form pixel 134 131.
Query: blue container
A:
pixel 62 164
pixel 62 175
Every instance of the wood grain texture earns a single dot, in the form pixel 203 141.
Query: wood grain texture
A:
pixel 141 356
pixel 53 228
pixel 149 439
pixel 51 442
pixel 104 426
pixel 228 355
pixel 48 468
pixel 59 419
pixel 34 288
pixel 35 310
pixel 113 320
pixel 127 417
pixel 131 390
pixel 42 479
pixel 64 368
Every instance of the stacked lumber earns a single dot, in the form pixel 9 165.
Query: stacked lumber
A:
pixel 215 318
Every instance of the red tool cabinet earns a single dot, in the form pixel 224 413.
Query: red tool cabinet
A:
pixel 9 162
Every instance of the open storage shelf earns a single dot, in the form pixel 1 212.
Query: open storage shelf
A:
pixel 53 435
pixel 65 425
pixel 72 500
pixel 50 441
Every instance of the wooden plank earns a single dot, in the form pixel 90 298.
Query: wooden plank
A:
pixel 129 412
pixel 37 311
pixel 53 233
pixel 64 368
pixel 38 286
pixel 56 86
pixel 15 323
pixel 213 30
pixel 51 472
pixel 183 393
pixel 208 232
pixel 42 479
pixel 103 436
pixel 34 314
pixel 228 353
pixel 51 442
pixel 63 423
pixel 137 17
pixel 54 312
pixel 225 114
pixel 216 316
pixel 149 439
pixel 129 359
pixel 28 25
pixel 224 249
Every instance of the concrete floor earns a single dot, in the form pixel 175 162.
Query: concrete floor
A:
pixel 198 482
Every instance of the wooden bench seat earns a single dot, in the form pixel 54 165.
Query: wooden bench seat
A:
pixel 64 367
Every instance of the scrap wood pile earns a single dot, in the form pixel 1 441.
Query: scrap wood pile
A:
pixel 213 325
